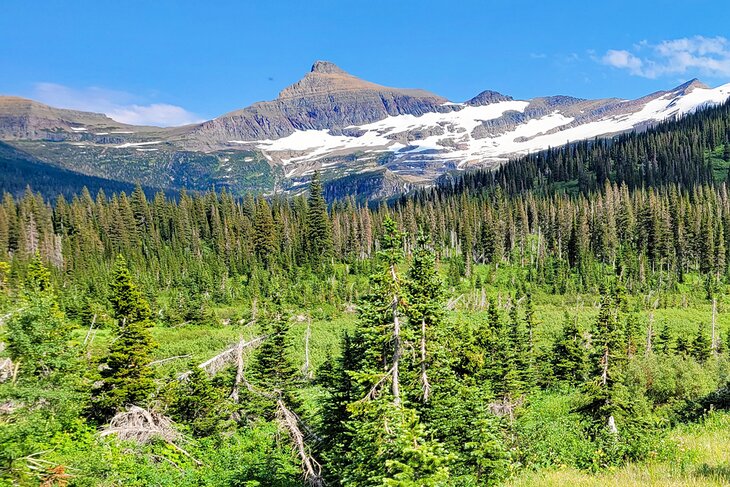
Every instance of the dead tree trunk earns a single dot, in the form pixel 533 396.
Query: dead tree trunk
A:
pixel 649 333
pixel 396 342
pixel 714 322
pixel 312 470
pixel 424 376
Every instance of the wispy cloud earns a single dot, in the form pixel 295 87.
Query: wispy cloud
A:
pixel 709 56
pixel 119 105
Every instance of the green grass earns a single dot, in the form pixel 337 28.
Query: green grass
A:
pixel 701 457
pixel 719 165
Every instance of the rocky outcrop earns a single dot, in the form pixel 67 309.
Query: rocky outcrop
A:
pixel 488 97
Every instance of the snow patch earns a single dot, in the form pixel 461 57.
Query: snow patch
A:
pixel 137 144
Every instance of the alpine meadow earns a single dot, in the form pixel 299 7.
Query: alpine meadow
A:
pixel 359 285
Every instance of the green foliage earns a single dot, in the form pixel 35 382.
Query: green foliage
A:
pixel 126 378
pixel 414 393
pixel 127 302
pixel 318 231
pixel 196 402
pixel 39 337
pixel 569 353
pixel 389 447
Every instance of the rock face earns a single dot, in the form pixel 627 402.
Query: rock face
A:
pixel 487 97
pixel 327 98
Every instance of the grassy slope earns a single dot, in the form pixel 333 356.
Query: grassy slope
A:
pixel 701 458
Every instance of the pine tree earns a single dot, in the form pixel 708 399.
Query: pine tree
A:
pixel 664 342
pixel 604 391
pixel 424 295
pixel 127 301
pixel 264 233
pixel 569 353
pixel 275 372
pixel 197 403
pixel 319 229
pixel 126 378
pixel 701 348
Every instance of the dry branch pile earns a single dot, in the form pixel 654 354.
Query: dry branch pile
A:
pixel 141 426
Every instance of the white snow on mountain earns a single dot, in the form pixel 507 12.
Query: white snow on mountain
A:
pixel 450 137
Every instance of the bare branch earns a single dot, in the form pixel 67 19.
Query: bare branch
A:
pixel 312 470
pixel 162 361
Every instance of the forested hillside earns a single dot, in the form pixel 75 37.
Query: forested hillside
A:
pixel 691 150
pixel 563 317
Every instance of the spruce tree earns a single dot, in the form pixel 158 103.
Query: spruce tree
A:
pixel 319 228
pixel 274 370
pixel 424 295
pixel 701 348
pixel 569 353
pixel 128 304
pixel 126 378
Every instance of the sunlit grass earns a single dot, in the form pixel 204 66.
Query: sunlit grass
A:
pixel 701 457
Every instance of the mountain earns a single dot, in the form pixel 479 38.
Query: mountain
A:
pixel 364 137
pixel 327 98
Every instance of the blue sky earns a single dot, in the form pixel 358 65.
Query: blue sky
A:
pixel 170 62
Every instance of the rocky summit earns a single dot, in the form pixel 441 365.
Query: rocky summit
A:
pixel 365 138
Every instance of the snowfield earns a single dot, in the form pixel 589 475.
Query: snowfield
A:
pixel 456 142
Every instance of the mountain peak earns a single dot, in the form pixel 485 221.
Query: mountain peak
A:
pixel 326 67
pixel 691 85
pixel 488 96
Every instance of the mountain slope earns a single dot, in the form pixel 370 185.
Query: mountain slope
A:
pixel 375 139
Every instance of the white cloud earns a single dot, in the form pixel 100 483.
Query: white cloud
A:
pixel 120 106
pixel 709 56
pixel 623 59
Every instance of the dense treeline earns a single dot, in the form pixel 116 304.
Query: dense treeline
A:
pixel 672 152
pixel 649 237
pixel 417 396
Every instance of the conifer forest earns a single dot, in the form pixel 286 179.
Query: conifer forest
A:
pixel 563 319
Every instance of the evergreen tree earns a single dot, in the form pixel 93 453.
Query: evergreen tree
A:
pixel 275 372
pixel 569 353
pixel 423 290
pixel 126 378
pixel 319 229
pixel 264 233
pixel 701 348
pixel 197 403
pixel 127 301
pixel 605 391
pixel 664 341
